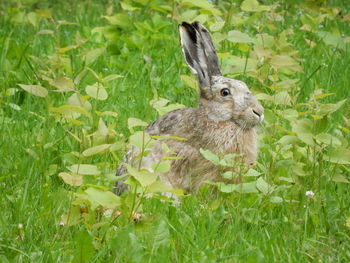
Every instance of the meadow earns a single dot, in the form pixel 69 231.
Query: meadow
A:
pixel 79 80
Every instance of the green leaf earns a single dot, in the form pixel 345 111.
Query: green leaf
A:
pixel 332 39
pixel 252 173
pixel 246 188
pixel 70 111
pixel 210 156
pixel 236 36
pixel 84 249
pixel 303 125
pixel 339 156
pixel 107 113
pixel 161 235
pixel 288 139
pixel 128 7
pixel 162 105
pixel 276 199
pixel 326 109
pixel 338 178
pixel 327 139
pixel 72 216
pixel 80 101
pixel 228 175
pixel 243 188
pixel 35 90
pixel 203 4
pixel 190 81
pixel 111 77
pixel 96 150
pixel 217 26
pixel 92 55
pixel 134 122
pixel 136 248
pixel 84 169
pixel 162 166
pixel 234 64
pixel 143 176
pixel 117 146
pixel 306 137
pixel 282 98
pixel 96 91
pixel 71 179
pixel 122 20
pixel 263 186
pixel 63 84
pixel 279 61
pixel 98 197
pixel 158 187
pixel 141 140
pixel 254 6
pixel 102 127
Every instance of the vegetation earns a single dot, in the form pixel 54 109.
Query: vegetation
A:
pixel 79 81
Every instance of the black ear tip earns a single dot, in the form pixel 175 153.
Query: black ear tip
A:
pixel 185 24
pixel 195 24
pixel 199 27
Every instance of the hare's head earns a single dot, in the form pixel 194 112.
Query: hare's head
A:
pixel 223 99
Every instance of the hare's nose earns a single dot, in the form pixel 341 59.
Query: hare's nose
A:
pixel 259 112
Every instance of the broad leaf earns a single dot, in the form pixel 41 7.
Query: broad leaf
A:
pixel 263 186
pixel 162 166
pixel 71 179
pixel 143 176
pixel 35 90
pixel 210 156
pixel 141 140
pixel 96 150
pixel 134 122
pixel 63 84
pixel 339 156
pixel 84 249
pixel 98 197
pixel 84 169
pixel 254 6
pixel 96 91
pixel 236 36
pixel 92 55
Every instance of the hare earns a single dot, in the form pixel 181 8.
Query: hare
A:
pixel 225 121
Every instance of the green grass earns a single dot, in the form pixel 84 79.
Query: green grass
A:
pixel 209 227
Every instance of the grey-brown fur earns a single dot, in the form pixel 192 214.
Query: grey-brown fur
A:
pixel 222 123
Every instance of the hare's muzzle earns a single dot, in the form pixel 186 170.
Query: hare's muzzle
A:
pixel 258 112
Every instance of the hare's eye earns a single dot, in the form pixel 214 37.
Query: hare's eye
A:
pixel 225 92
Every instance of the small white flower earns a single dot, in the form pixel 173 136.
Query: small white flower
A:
pixel 20 226
pixel 310 194
pixel 61 223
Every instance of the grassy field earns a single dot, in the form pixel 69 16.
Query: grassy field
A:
pixel 72 74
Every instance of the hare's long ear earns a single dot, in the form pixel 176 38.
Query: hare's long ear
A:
pixel 212 58
pixel 199 52
pixel 194 54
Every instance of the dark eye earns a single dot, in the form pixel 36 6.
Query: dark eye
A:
pixel 225 92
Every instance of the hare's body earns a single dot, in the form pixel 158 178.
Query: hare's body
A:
pixel 192 169
pixel 224 123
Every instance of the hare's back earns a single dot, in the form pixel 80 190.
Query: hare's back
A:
pixel 175 123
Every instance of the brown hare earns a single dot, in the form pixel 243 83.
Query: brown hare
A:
pixel 225 121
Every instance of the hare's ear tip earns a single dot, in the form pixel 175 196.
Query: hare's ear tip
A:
pixel 185 25
pixel 195 23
